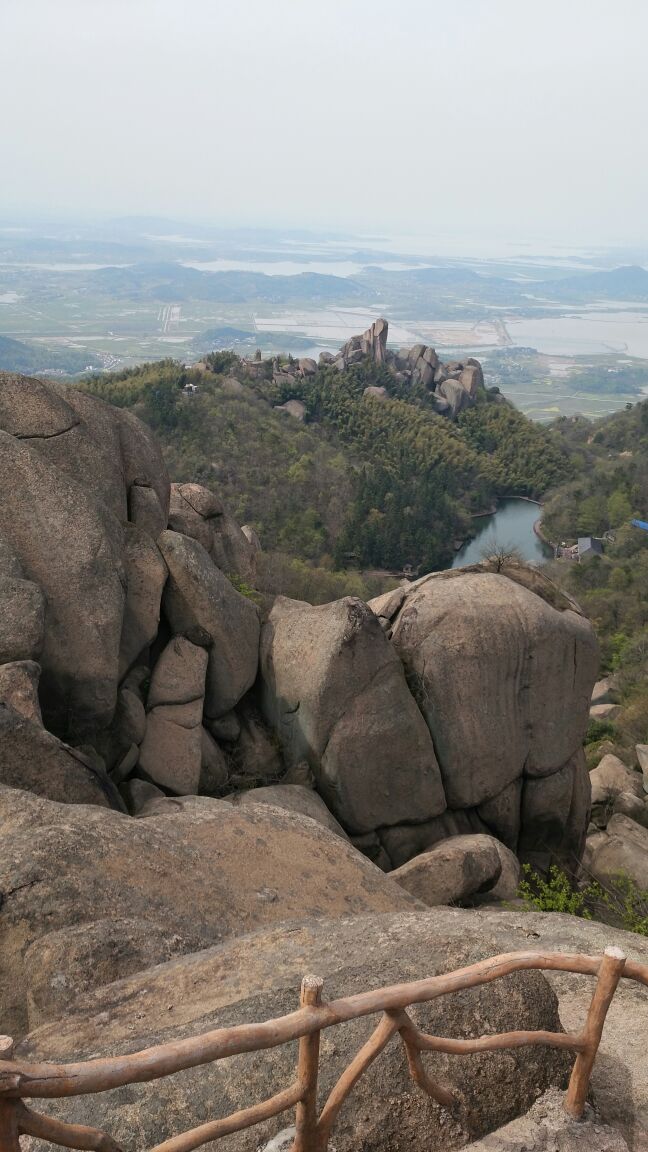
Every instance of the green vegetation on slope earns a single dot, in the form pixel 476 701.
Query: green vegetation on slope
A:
pixel 365 482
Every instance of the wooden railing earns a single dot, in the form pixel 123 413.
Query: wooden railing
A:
pixel 19 1080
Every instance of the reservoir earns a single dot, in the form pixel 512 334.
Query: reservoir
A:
pixel 510 527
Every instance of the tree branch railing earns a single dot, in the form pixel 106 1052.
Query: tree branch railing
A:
pixel 20 1080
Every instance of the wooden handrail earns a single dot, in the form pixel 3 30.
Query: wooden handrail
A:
pixel 19 1079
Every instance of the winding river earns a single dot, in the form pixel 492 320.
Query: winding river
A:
pixel 511 526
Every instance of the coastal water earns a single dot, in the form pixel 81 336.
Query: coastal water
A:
pixel 510 527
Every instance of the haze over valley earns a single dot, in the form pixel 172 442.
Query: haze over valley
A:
pixel 560 333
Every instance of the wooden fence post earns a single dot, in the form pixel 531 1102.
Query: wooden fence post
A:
pixel 307 1072
pixel 609 974
pixel 8 1108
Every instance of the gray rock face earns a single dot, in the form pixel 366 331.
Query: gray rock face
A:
pixel 201 604
pixel 546 1125
pixel 22 619
pixel 257 978
pixel 179 674
pixel 213 766
pixel 642 760
pixel 335 692
pixel 200 867
pixel 634 807
pixel 171 752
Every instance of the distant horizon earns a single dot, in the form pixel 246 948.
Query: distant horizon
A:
pixel 464 245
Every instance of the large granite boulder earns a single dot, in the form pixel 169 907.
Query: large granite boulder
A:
pixel 335 692
pixel 502 668
pixel 204 869
pixel 257 978
pixel 69 463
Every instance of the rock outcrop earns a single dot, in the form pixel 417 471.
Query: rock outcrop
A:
pixel 453 706
pixel 453 386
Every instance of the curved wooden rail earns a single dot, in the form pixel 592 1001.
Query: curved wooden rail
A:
pixel 20 1079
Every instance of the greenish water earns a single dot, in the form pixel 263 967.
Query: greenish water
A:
pixel 511 527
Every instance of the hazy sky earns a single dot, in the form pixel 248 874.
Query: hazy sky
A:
pixel 478 117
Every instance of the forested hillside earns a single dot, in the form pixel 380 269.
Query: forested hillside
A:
pixel 365 482
pixel 610 487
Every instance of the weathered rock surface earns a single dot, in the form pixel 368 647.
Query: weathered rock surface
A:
pixel 203 868
pixel 172 750
pixel 634 807
pixel 71 547
pixel 642 759
pixel 62 966
pixel 335 693
pixel 257 978
pixel 22 619
pixel 605 711
pixel 603 691
pixel 146 575
pixel 515 664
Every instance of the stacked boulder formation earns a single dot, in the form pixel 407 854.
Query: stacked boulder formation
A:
pixel 132 669
pixel 452 386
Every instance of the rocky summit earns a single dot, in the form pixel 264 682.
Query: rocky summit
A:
pixel 453 386
pixel 205 791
